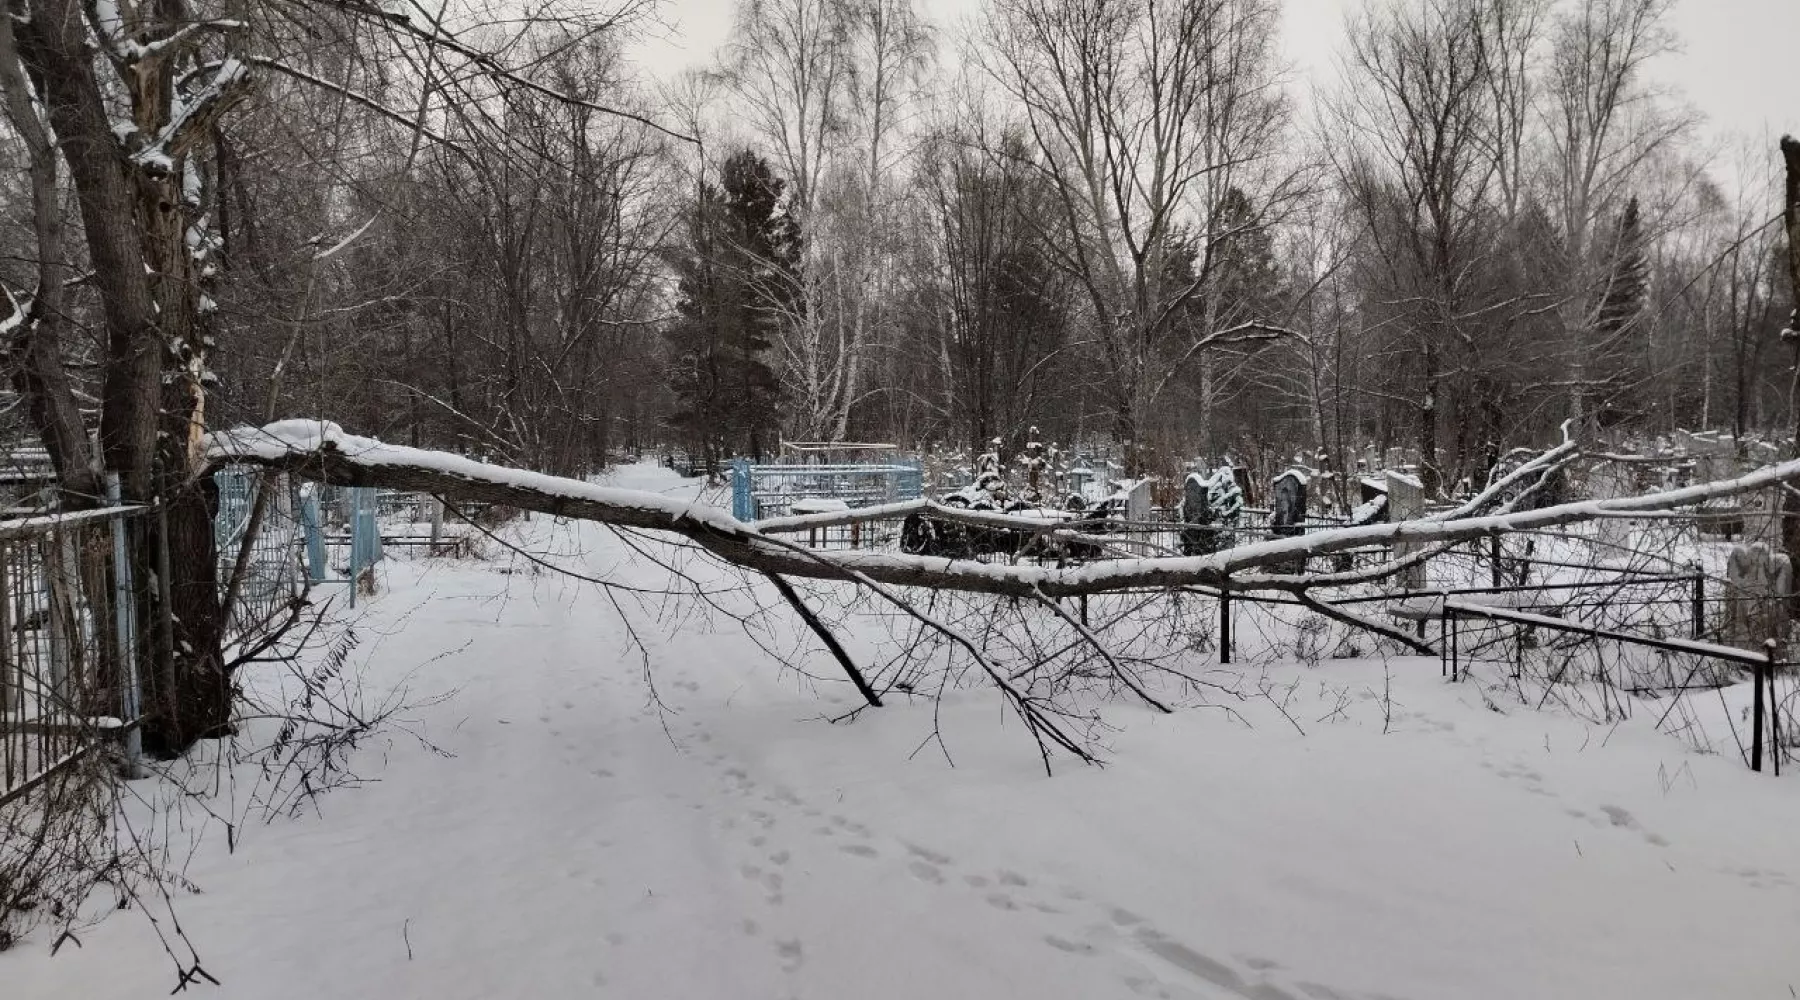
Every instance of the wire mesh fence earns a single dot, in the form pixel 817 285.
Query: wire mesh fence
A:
pixel 760 491
pixel 260 539
pixel 68 670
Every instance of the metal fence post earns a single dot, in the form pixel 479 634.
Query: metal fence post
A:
pixel 1224 625
pixel 1447 656
pixel 131 700
pixel 1769 648
pixel 376 554
pixel 1699 601
pixel 312 525
pixel 56 614
pixel 1760 671
pixel 437 523
pixel 742 506
pixel 356 542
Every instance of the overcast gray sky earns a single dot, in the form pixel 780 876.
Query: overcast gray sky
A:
pixel 1736 63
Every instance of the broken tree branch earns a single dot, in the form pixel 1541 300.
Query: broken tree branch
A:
pixel 324 452
pixel 787 592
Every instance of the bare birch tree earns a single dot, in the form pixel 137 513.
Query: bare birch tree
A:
pixel 1144 115
pixel 1602 125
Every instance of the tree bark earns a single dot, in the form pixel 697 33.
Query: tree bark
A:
pixel 40 374
pixel 1790 500
pixel 53 45
pixel 136 218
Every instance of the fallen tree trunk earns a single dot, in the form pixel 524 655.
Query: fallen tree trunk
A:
pixel 323 452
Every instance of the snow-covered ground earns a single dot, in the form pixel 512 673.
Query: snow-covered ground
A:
pixel 580 842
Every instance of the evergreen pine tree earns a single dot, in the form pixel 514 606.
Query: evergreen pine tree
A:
pixel 1627 286
pixel 738 281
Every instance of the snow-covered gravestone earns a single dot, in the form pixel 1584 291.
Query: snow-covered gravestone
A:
pixel 1611 534
pixel 1758 580
pixel 1210 506
pixel 1287 512
pixel 1197 535
pixel 1138 506
pixel 1406 502
pixel 1227 499
pixel 988 462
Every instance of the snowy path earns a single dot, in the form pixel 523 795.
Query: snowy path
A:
pixel 573 847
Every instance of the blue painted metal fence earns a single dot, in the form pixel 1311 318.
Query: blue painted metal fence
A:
pixel 759 491
pixel 300 530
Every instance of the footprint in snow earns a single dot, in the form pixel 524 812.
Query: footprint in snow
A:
pixel 1619 817
pixel 929 855
pixel 792 953
pixel 770 881
pixel 926 871
pixel 860 850
pixel 846 823
pixel 1147 988
pixel 1207 968
pixel 1072 947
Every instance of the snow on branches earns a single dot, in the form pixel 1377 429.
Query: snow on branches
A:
pixel 325 452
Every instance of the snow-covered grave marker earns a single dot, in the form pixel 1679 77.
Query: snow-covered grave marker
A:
pixel 1138 501
pixel 1287 513
pixel 1197 536
pixel 1757 582
pixel 1406 502
pixel 1607 482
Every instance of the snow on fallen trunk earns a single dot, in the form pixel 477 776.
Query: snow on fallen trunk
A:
pixel 323 451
